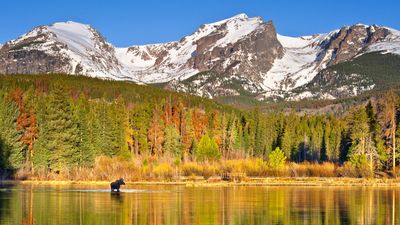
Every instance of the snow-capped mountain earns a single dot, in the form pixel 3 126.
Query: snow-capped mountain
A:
pixel 69 47
pixel 217 59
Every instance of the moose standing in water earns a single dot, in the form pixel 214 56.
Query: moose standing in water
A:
pixel 117 184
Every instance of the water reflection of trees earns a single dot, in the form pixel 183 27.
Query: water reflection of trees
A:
pixel 222 205
pixel 5 201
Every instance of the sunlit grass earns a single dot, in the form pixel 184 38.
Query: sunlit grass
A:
pixel 151 169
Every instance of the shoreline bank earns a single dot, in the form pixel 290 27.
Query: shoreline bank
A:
pixel 306 181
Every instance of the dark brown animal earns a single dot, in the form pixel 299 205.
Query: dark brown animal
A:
pixel 117 184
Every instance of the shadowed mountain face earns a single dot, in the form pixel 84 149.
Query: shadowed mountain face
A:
pixel 242 55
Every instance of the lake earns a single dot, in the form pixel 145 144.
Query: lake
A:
pixel 174 204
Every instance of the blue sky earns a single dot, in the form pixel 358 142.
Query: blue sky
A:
pixel 125 23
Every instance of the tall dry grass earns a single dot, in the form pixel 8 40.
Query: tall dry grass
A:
pixel 168 169
pixel 348 170
pixel 307 169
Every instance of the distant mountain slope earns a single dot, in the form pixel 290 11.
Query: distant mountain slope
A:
pixel 236 56
pixel 351 78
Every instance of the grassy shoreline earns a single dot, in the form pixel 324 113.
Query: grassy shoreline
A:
pixel 281 181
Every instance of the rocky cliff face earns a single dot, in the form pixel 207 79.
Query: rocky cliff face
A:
pixel 235 56
pixel 250 56
pixel 351 41
pixel 23 56
pixel 239 46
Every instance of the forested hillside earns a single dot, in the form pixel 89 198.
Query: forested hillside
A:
pixel 371 71
pixel 53 124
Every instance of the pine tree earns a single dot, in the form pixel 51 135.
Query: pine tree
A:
pixel 107 127
pixel 62 136
pixel 375 128
pixel 188 136
pixel 288 142
pixel 272 126
pixel 303 132
pixel 362 142
pixel 121 122
pixel 224 135
pixel 156 133
pixel 12 151
pixel 114 129
pixel 388 121
pixel 215 129
pixel 247 134
pixel 96 118
pixel 333 139
pixel 207 149
pixel 140 122
pixel 259 135
pixel 102 122
pixel 86 151
pixel 317 134
pixel 41 153
pixel 233 142
pixel 172 143
pixel 326 151
pixel 238 142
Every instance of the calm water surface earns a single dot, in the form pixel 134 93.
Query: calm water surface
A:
pixel 76 204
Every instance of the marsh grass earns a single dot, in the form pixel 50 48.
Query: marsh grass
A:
pixel 167 169
pixel 164 171
pixel 307 169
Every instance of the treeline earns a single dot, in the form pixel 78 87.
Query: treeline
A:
pixel 55 123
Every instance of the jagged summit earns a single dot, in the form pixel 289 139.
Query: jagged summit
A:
pixel 239 16
pixel 217 46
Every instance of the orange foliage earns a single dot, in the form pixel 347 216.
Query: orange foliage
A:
pixel 26 121
pixel 200 123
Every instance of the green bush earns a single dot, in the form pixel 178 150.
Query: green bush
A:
pixel 358 161
pixel 277 159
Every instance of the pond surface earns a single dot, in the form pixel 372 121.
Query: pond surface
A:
pixel 155 204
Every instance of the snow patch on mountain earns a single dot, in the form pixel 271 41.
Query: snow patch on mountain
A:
pixel 238 27
pixel 77 36
pixel 299 64
pixel 310 95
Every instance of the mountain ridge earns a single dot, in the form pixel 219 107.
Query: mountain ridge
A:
pixel 240 48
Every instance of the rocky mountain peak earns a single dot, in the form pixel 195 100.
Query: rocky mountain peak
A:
pixel 240 45
pixel 239 16
pixel 66 47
